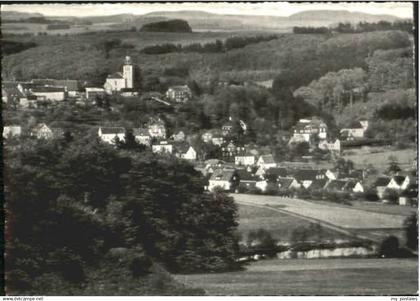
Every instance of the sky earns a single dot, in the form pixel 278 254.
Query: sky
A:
pixel 399 9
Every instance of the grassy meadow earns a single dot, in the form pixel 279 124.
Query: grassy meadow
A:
pixel 313 277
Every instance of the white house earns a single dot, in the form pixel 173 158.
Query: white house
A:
pixel 305 128
pixel 162 147
pixel 42 131
pixel 118 81
pixel 111 134
pixel 244 160
pixel 266 161
pixel 330 146
pixel 218 141
pixel 142 136
pixel 157 128
pixel 11 131
pixel 356 130
pixel 262 185
pixel 190 154
pixel 226 179
pixel 49 93
pixel 92 92
pixel 206 137
pixel 179 93
pixel 331 175
pixel 399 182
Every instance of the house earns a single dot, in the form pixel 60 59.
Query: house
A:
pixel 246 179
pixel 118 81
pixel 111 134
pixel 179 93
pixel 272 174
pixel 218 140
pixel 231 150
pixel 226 179
pixel 306 128
pixel 306 176
pixel 381 184
pixel 399 182
pixel 331 175
pixel 178 137
pixel 262 184
pixel 206 137
pixel 42 131
pixel 333 146
pixel 227 127
pixel 410 195
pixel 142 136
pixel 354 186
pixel 156 128
pixel 356 129
pixel 336 185
pixel 71 86
pixel 245 159
pixel 49 93
pixel 286 183
pixel 93 92
pixel 266 161
pixel 319 184
pixel 12 131
pixel 10 93
pixel 186 152
pixel 162 147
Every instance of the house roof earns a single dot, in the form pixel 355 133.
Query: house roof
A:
pixel 319 183
pixel 180 88
pixel 70 84
pixel 112 130
pixel 115 75
pixel 245 175
pixel 47 89
pixel 11 90
pixel 267 159
pixel 222 175
pixel 382 181
pixel 276 171
pixel 399 179
pixel 306 174
pixel 182 147
pixel 140 132
pixel 356 125
pixel 336 185
pixel 285 182
pixel 351 184
pixel 39 126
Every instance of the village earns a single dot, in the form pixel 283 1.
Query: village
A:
pixel 235 166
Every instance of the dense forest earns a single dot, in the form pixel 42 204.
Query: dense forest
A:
pixel 127 212
pixel 167 26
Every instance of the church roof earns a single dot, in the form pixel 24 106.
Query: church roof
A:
pixel 116 75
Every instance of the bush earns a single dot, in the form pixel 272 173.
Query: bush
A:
pixel 389 247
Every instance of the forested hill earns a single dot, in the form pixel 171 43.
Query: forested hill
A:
pixel 167 26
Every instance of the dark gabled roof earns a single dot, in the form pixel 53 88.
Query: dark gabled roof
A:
pixel 47 89
pixel 70 84
pixel 382 181
pixel 245 175
pixel 351 184
pixel 140 132
pixel 318 184
pixel 399 179
pixel 336 185
pixel 222 175
pixel 306 174
pixel 285 182
pixel 276 171
pixel 181 147
pixel 112 130
pixel 12 90
pixel 268 159
pixel 356 125
pixel 116 75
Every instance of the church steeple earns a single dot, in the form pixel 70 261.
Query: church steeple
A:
pixel 127 60
pixel 128 72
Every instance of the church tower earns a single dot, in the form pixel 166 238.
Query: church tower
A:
pixel 128 72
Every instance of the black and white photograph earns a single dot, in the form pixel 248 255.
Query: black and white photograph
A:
pixel 209 149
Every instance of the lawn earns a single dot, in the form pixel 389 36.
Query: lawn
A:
pixel 347 218
pixel 280 225
pixel 313 277
pixel 380 160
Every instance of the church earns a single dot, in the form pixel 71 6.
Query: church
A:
pixel 118 81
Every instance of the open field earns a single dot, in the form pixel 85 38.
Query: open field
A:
pixel 379 160
pixel 346 218
pixel 280 225
pixel 314 277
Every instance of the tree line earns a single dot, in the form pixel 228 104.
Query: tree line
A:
pixel 211 47
pixel 356 28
